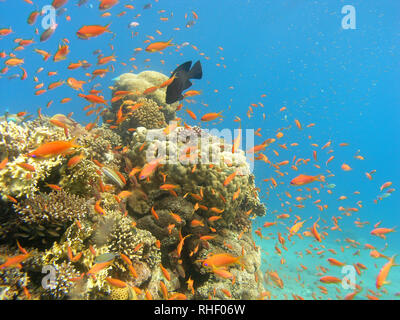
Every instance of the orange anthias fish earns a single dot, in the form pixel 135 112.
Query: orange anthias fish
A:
pixel 61 53
pixel 335 262
pixel 315 231
pixel 15 261
pixel 296 227
pixel 158 46
pixel 75 84
pixel 93 98
pixel 261 146
pixel 303 179
pixel 52 149
pixel 116 282
pixel 167 82
pixel 149 168
pixel 221 260
pixel 107 4
pixel 380 232
pixel 230 178
pixel 98 267
pixel 383 273
pixel 87 32
pixel 211 116
pixel 330 279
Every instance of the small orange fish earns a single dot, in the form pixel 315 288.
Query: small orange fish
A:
pixel 167 82
pixel 330 279
pixel 303 179
pixel 61 53
pixel 91 31
pixel 149 168
pixel 158 46
pixel 98 208
pixel 3 163
pixel 26 166
pixel 15 261
pixel 165 272
pixel 116 282
pixel 98 267
pixel 93 98
pixel 383 273
pixel 154 213
pixel 346 167
pixel 230 178
pixel 107 4
pixel 52 149
pixel 196 223
pixel 211 116
pixel 75 160
pixel 221 260
pixel 54 187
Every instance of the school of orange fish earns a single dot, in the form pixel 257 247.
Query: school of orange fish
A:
pixel 319 228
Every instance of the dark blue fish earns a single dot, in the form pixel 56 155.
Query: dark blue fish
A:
pixel 181 82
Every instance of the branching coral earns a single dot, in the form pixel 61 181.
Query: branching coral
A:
pixel 79 179
pixel 137 244
pixel 48 215
pixel 60 285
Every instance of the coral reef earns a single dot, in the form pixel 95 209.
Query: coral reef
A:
pixel 109 231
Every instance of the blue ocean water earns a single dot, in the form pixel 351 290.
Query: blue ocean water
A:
pixel 345 81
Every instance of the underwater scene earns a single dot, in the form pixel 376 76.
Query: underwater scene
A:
pixel 199 150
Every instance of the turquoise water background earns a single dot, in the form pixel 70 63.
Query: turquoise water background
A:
pixel 297 53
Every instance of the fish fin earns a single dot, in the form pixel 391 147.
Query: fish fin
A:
pixel 196 72
pixel 186 85
pixel 183 67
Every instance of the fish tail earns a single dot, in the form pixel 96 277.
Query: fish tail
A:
pixel 107 26
pixel 74 145
pixel 196 72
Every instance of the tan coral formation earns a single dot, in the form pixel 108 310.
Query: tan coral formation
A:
pixel 153 111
